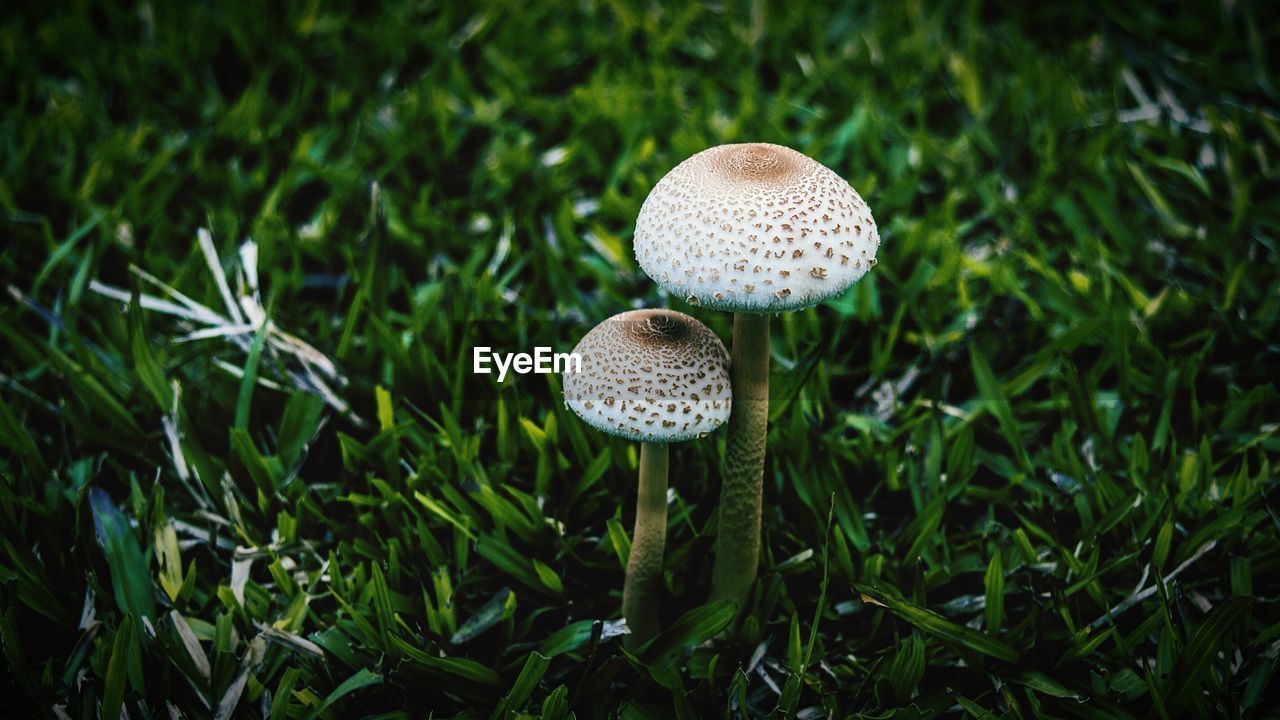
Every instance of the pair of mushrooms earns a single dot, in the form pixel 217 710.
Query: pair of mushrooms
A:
pixel 753 229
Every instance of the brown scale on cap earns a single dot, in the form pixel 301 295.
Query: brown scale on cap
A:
pixel 702 224
pixel 658 362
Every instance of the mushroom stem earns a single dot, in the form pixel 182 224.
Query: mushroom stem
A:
pixel 642 590
pixel 738 533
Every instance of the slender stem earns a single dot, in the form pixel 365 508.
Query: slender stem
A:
pixel 642 591
pixel 738 536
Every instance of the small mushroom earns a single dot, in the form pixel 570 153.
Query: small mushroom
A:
pixel 716 214
pixel 673 374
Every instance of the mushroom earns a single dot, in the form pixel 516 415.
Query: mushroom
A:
pixel 657 376
pixel 753 229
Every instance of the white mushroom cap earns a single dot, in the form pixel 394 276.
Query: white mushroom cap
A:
pixel 651 375
pixel 755 228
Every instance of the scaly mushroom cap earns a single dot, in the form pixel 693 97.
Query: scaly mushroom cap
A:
pixel 651 375
pixel 755 228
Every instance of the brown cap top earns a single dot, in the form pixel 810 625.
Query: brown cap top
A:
pixel 651 375
pixel 755 228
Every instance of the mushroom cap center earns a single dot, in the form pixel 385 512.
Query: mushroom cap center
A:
pixel 759 162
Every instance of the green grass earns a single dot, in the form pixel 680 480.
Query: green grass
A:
pixel 1027 468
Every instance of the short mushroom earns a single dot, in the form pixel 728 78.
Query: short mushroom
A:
pixel 657 376
pixel 753 229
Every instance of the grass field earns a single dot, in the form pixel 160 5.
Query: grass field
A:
pixel 1026 468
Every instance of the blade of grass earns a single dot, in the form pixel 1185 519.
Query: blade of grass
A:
pixel 1202 649
pixel 130 578
pixel 250 376
pixel 934 624
pixel 695 626
pixel 526 682
pixel 996 401
pixel 363 678
pixel 994 585
pixel 117 669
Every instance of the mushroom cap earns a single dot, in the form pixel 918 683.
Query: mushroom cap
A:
pixel 755 227
pixel 651 375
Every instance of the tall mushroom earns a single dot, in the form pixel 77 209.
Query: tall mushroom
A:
pixel 753 229
pixel 657 376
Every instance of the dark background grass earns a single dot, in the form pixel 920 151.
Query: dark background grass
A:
pixel 1053 394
